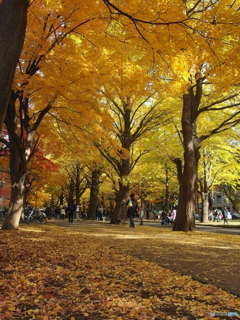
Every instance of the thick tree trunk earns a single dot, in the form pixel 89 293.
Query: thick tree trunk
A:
pixel 15 210
pixel 13 20
pixel 93 201
pixel 185 219
pixel 121 194
pixel 18 176
pixel 18 168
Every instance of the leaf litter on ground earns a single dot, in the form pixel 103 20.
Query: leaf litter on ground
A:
pixel 56 274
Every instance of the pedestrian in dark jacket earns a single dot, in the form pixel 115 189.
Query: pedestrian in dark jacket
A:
pixel 71 210
pixel 132 209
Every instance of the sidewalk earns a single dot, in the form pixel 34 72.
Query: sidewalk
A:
pixel 231 224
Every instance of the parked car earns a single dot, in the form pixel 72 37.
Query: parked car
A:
pixel 235 215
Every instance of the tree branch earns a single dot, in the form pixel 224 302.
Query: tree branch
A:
pixel 206 108
pixel 223 126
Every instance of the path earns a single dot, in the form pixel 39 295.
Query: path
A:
pixel 205 228
pixel 206 257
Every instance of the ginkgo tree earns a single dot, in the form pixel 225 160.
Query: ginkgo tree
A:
pixel 135 110
pixel 199 52
pixel 35 91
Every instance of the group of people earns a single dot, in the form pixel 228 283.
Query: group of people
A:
pixel 101 212
pixel 135 209
pixel 220 214
pixel 71 212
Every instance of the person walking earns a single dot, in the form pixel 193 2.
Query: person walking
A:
pixel 71 211
pixel 62 212
pixel 217 215
pixel 225 215
pixel 132 209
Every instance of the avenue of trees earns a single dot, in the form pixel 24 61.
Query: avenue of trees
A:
pixel 137 96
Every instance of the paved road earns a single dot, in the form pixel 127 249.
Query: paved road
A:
pixel 200 228
pixel 234 231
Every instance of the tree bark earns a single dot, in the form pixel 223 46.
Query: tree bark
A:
pixel 121 194
pixel 22 144
pixel 185 219
pixel 17 166
pixel 93 201
pixel 205 207
pixel 18 170
pixel 13 21
pixel 71 189
pixel 206 183
pixel 77 184
pixel 167 194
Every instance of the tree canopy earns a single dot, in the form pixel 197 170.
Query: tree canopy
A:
pixel 128 88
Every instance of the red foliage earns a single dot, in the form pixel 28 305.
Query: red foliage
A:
pixel 42 162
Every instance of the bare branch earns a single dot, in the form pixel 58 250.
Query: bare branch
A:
pixel 114 162
pixel 194 7
pixel 140 105
pixel 145 119
pixel 134 162
pixel 179 133
pixel 223 126
pixel 114 102
pixel 136 20
pixel 206 108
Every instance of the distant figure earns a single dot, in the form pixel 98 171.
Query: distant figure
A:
pixel 174 213
pixel 229 215
pixel 210 216
pixel 62 212
pixel 132 209
pixel 78 211
pixel 71 211
pixel 142 213
pixel 217 215
pixel 99 212
pixel 225 215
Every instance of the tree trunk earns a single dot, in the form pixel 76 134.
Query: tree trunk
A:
pixel 61 199
pixel 18 176
pixel 17 166
pixel 121 194
pixel 77 185
pixel 93 201
pixel 205 191
pixel 205 207
pixel 185 219
pixel 71 189
pixel 13 20
pixel 167 195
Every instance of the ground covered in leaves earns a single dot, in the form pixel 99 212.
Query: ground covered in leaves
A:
pixel 96 271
